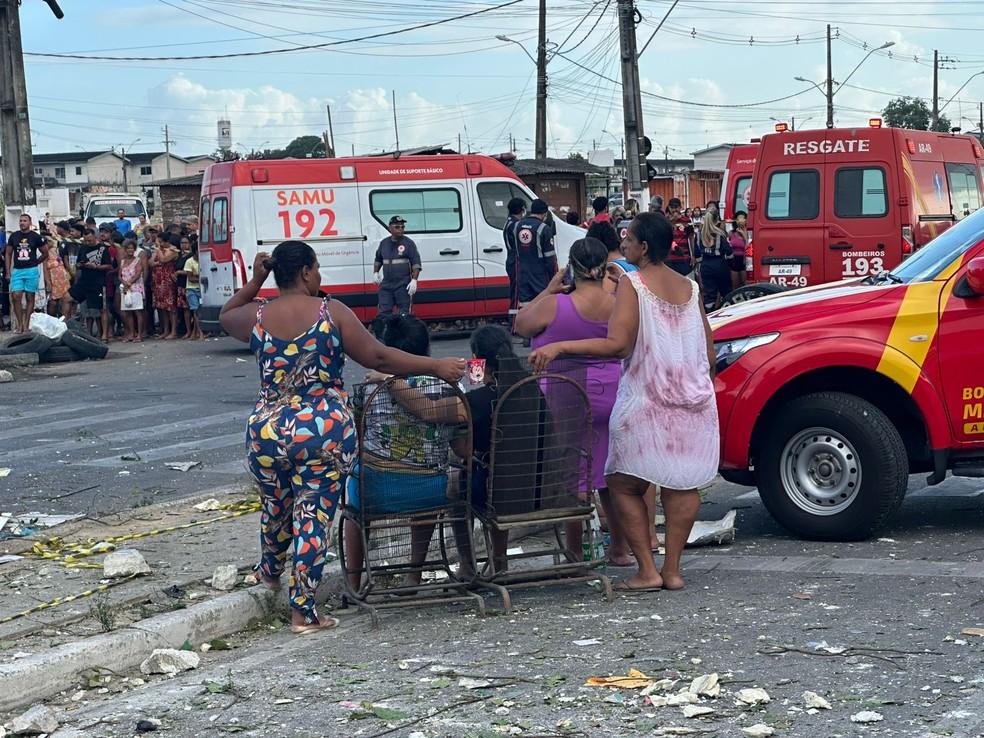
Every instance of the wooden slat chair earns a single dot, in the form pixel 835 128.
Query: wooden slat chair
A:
pixel 404 488
pixel 538 475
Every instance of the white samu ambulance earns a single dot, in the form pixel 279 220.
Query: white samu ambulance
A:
pixel 455 207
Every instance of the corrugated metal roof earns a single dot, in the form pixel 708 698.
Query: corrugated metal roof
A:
pixel 530 167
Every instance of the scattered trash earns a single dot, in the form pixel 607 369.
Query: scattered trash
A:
pixel 38 719
pixel 753 696
pixel 867 716
pixel 175 592
pixel 225 577
pixel 8 558
pixel 182 466
pixel 5 471
pixel 973 632
pixel 814 701
pixel 124 563
pixel 44 520
pixel 759 730
pixel 587 642
pixel 148 726
pixel 5 376
pixel 676 730
pixel 692 711
pixel 169 661
pixel 469 683
pixel 635 680
pixel 208 505
pixel 887 540
pixel 711 532
pixel 283 701
pixel 673 700
pixel 708 685
pixel 131 457
pixel 4 519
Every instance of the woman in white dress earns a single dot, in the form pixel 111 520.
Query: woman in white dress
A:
pixel 664 427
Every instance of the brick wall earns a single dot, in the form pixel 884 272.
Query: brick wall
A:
pixel 181 200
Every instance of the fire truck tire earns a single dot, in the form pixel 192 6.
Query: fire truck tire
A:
pixel 832 467
pixel 26 343
pixel 751 292
pixel 85 345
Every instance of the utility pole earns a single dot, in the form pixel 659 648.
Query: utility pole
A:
pixel 830 81
pixel 980 120
pixel 167 151
pixel 541 85
pixel 15 126
pixel 935 118
pixel 330 150
pixel 396 128
pixel 792 123
pixel 635 158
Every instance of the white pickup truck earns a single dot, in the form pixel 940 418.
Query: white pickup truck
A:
pixel 105 206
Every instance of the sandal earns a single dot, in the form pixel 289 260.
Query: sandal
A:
pixel 625 587
pixel 324 623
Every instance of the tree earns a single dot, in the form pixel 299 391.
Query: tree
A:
pixel 575 156
pixel 912 113
pixel 301 146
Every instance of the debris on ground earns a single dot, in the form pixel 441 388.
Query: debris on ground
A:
pixel 225 577
pixel 813 701
pixel 634 680
pixel 5 471
pixel 5 376
pixel 126 562
pixel 972 632
pixel 759 730
pixel 148 725
pixel 708 685
pixel 169 661
pixel 38 719
pixel 713 532
pixel 182 466
pixel 867 716
pixel 692 711
pixel 209 505
pixel 753 696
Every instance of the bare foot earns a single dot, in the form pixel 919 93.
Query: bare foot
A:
pixel 626 560
pixel 673 581
pixel 638 584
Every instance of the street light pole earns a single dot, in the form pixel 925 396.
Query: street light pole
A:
pixel 830 82
pixel 541 84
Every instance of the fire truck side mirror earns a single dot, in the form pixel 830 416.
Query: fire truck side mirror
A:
pixel 975 276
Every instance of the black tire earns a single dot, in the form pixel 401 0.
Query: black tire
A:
pixel 86 346
pixel 75 325
pixel 847 438
pixel 58 354
pixel 26 343
pixel 751 292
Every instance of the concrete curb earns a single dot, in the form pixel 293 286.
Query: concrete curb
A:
pixel 40 676
pixel 17 360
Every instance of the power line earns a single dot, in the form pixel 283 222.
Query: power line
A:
pixel 269 52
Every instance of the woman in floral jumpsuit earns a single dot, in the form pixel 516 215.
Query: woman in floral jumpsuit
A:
pixel 300 437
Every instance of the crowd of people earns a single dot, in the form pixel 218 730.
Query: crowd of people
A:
pixel 123 279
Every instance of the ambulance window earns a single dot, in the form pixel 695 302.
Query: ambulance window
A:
pixel 743 190
pixel 205 222
pixel 860 193
pixel 965 198
pixel 426 211
pixel 494 198
pixel 793 195
pixel 220 224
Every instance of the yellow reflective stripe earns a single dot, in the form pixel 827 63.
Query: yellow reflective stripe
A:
pixel 918 316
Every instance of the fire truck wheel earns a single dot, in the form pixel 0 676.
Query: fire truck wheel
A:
pixel 751 292
pixel 832 467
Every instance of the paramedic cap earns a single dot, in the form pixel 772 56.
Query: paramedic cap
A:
pixel 538 207
pixel 397 220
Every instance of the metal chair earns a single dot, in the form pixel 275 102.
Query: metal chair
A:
pixel 404 488
pixel 538 474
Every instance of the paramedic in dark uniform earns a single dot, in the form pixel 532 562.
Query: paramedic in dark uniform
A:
pixel 536 259
pixel 517 209
pixel 396 268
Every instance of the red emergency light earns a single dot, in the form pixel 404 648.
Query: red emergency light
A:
pixel 910 145
pixel 874 122
pixel 978 151
pixel 781 127
pixel 259 175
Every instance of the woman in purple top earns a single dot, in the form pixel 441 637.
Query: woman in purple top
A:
pixel 569 312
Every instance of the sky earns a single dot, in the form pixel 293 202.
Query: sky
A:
pixel 717 71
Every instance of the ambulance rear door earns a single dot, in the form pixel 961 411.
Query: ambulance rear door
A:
pixel 325 216
pixel 491 212
pixel 439 222
pixel 789 221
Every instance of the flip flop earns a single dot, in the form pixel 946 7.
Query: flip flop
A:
pixel 626 587
pixel 325 623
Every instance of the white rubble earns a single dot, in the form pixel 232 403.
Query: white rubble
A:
pixel 124 563
pixel 208 505
pixel 5 376
pixel 753 696
pixel 867 716
pixel 38 719
pixel 225 577
pixel 708 685
pixel 759 730
pixel 692 711
pixel 169 661
pixel 813 701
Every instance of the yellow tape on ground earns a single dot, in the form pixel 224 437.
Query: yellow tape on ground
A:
pixel 71 598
